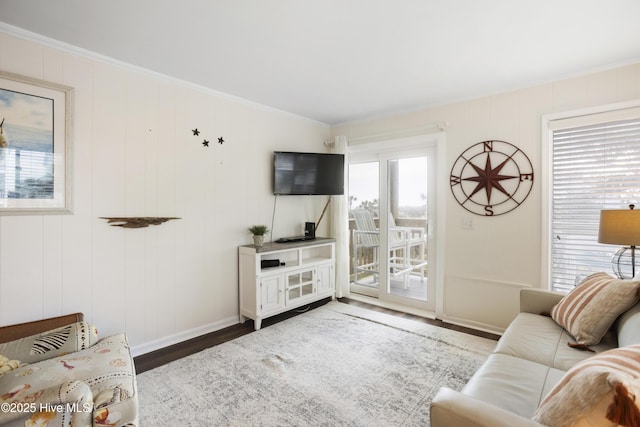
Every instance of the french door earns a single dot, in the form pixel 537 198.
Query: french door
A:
pixel 391 195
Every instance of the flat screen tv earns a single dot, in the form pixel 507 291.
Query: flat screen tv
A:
pixel 307 173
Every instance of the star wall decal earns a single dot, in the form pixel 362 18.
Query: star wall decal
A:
pixel 205 141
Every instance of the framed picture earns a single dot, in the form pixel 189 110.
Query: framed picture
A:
pixel 35 146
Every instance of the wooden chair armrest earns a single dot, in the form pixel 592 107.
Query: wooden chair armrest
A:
pixel 22 330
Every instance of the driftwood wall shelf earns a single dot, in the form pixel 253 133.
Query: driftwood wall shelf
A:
pixel 137 222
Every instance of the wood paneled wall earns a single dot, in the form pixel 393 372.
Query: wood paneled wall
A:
pixel 485 267
pixel 135 155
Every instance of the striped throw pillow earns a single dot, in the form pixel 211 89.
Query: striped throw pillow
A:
pixel 599 391
pixel 589 310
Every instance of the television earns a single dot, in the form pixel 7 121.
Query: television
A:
pixel 296 173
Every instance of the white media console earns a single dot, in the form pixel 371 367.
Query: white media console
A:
pixel 304 272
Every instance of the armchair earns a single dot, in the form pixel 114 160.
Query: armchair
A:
pixel 56 372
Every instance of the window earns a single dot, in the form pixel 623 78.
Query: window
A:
pixel 595 165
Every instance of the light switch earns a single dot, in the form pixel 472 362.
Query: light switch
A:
pixel 467 223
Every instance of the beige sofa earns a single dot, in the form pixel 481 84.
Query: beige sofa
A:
pixel 529 360
pixel 56 372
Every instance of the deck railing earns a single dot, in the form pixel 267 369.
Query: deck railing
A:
pixel 366 255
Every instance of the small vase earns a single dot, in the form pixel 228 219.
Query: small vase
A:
pixel 258 240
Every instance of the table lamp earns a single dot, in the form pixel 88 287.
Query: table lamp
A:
pixel 621 227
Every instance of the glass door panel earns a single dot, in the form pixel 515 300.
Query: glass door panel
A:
pixel 407 227
pixel 364 208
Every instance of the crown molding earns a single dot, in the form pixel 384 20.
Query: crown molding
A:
pixel 84 53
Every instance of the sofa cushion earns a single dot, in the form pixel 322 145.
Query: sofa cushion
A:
pixel 590 309
pixel 595 391
pixel 628 327
pixel 514 384
pixel 53 343
pixel 540 339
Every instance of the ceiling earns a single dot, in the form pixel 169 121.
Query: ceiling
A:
pixel 337 61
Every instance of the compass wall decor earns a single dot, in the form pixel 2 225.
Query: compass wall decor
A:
pixel 491 178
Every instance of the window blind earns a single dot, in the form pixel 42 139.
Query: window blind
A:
pixel 26 174
pixel 595 167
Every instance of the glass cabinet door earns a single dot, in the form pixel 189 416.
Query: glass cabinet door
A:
pixel 300 284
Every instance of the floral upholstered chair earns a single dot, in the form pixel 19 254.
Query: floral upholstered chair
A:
pixel 66 376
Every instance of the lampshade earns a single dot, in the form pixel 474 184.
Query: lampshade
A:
pixel 620 227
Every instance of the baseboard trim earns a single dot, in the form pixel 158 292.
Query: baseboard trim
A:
pixel 472 325
pixel 170 340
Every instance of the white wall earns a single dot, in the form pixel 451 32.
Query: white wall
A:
pixel 135 155
pixel 487 266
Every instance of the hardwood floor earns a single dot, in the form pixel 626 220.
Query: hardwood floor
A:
pixel 433 322
pixel 165 355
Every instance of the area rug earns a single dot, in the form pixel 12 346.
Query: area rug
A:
pixel 335 365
